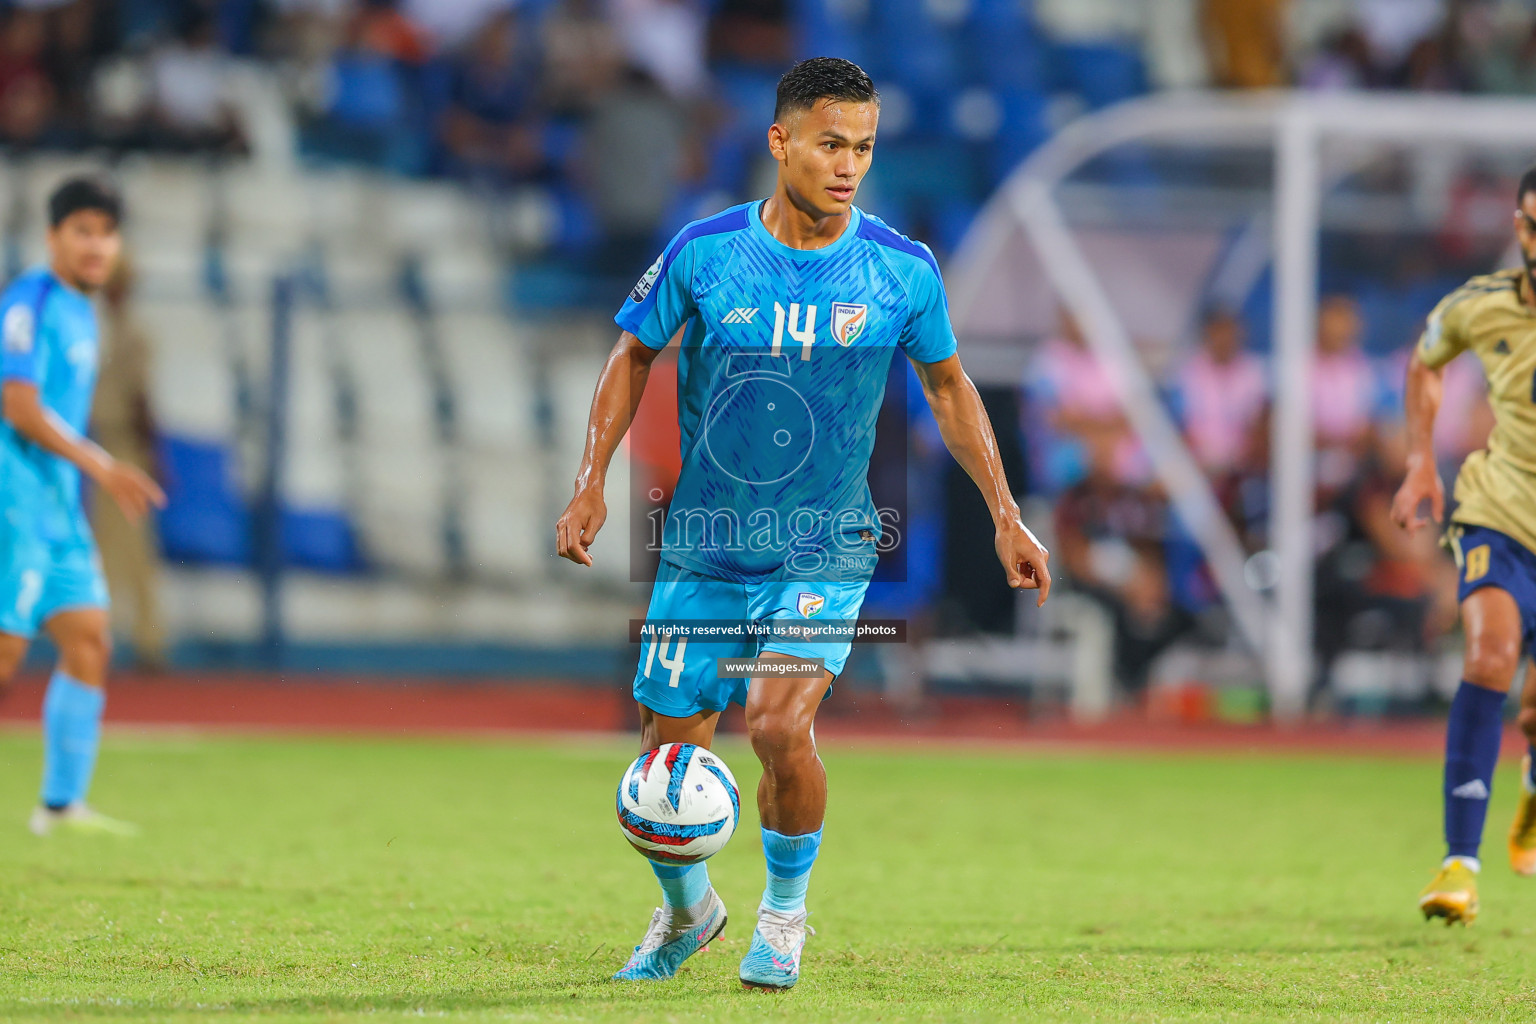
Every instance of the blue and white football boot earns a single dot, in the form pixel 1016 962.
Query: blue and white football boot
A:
pixel 665 947
pixel 773 962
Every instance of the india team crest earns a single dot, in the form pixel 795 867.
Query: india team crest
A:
pixel 810 605
pixel 848 320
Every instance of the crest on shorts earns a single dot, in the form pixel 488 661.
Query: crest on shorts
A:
pixel 848 320
pixel 810 605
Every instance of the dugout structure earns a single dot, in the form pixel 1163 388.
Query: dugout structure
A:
pixel 1136 217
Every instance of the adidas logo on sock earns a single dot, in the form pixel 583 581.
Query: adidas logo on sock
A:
pixel 1474 790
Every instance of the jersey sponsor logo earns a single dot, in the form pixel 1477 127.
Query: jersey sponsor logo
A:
pixel 647 280
pixel 19 328
pixel 848 320
pixel 1502 348
pixel 740 315
pixel 1474 790
pixel 810 605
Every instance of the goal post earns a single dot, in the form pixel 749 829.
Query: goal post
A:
pixel 1032 233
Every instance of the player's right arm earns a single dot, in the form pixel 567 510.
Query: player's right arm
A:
pixel 23 409
pixel 21 368
pixel 1444 338
pixel 620 387
pixel 661 302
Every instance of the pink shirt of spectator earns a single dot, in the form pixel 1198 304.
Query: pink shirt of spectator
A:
pixel 1345 392
pixel 1222 401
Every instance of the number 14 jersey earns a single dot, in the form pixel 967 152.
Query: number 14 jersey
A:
pixel 781 374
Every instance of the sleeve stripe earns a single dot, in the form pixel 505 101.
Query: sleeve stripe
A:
pixel 734 219
pixel 881 234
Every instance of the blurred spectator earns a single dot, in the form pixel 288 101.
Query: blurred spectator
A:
pixel 123 423
pixel 1393 28
pixel 193 105
pixel 449 24
pixel 27 97
pixel 1343 62
pixel 1109 545
pixel 1074 409
pixel 380 27
pixel 665 39
pixel 1223 395
pixel 309 30
pixel 1506 60
pixel 582 57
pixel 753 33
pixel 370 107
pixel 489 128
pixel 1347 395
pixel 636 153
pixel 1245 42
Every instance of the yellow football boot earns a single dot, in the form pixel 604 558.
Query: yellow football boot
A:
pixel 1522 832
pixel 1452 895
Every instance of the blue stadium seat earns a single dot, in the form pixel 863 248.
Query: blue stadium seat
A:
pixel 366 91
pixel 1025 126
pixel 1009 56
pixel 1102 73
pixel 322 541
pixel 821 30
pixel 205 520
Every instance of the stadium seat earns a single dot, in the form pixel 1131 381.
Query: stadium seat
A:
pixel 399 512
pixel 205 520
pixel 192 385
pixel 1102 73
pixel 1024 128
pixel 380 351
pixel 506 518
pixel 488 370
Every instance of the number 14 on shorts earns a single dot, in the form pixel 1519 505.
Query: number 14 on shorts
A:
pixel 670 656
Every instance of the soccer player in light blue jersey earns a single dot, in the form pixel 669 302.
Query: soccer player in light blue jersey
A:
pixel 789 312
pixel 50 573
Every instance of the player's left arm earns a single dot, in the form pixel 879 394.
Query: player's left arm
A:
pixel 967 433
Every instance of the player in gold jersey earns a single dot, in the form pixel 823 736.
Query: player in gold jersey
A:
pixel 1493 536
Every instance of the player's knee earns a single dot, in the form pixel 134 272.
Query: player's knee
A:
pixel 1491 663
pixel 10 661
pixel 777 735
pixel 86 656
pixel 1527 720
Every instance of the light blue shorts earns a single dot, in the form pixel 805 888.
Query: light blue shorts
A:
pixel 40 578
pixel 677 676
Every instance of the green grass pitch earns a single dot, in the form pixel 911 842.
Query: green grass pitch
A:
pixel 309 879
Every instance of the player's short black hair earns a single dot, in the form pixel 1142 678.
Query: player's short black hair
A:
pixel 84 192
pixel 1527 184
pixel 822 78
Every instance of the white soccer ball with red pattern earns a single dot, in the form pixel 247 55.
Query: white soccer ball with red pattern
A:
pixel 678 804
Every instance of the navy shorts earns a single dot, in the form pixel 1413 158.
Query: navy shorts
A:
pixel 1488 558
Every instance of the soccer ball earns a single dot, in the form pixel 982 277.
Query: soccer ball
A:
pixel 678 804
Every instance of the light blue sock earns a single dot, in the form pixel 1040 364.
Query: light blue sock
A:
pixel 682 885
pixel 789 869
pixel 71 734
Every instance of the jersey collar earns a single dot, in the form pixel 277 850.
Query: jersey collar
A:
pixel 762 234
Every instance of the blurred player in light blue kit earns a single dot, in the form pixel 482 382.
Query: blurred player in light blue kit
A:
pixel 790 311
pixel 50 573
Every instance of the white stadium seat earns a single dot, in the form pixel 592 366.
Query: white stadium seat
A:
pixel 381 352
pixel 508 529
pixel 491 378
pixel 192 383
